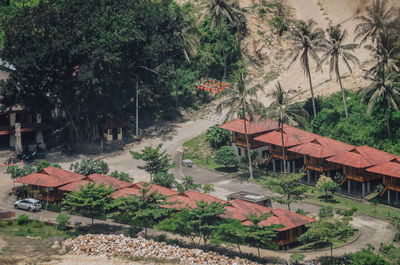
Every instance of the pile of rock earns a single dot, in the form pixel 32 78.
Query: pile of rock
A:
pixel 111 245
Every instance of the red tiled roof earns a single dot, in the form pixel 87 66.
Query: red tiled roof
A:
pixel 189 198
pixel 196 196
pixel 284 217
pixel 125 192
pixel 322 147
pixel 239 209
pixel 114 182
pixel 253 127
pixel 74 186
pixel 362 157
pixel 50 177
pixel 391 168
pixel 291 137
pixel 154 187
pixel 179 201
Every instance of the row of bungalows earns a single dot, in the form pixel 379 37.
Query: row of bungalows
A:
pixel 363 168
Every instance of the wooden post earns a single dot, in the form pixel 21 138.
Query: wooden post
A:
pixel 294 166
pixel 308 176
pixel 368 187
pixel 273 165
pixel 348 186
pixel 388 196
pixel 137 107
pixel 397 197
pixel 328 174
pixel 281 169
pixel 288 166
pixel 363 189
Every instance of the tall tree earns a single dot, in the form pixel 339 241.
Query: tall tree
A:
pixel 307 41
pixel 231 232
pixel 284 110
pixel 379 15
pixel 290 189
pixel 383 90
pixel 219 10
pixel 243 99
pixel 334 49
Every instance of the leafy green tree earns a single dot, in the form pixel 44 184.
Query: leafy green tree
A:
pixel 144 210
pixel 19 172
pixel 63 221
pixel 44 163
pixel 231 232
pixel 218 137
pixel 326 184
pixel 365 257
pixel 327 231
pixel 178 224
pixel 226 156
pixel 121 176
pixel 260 236
pixel 288 186
pixel 91 200
pixel 334 49
pixel 187 184
pixel 164 179
pixel 284 110
pixel 307 40
pixel 155 160
pixel 325 212
pixel 241 98
pixel 208 188
pixel 90 166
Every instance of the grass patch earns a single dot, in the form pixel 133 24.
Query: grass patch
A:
pixel 33 229
pixel 270 76
pixel 153 260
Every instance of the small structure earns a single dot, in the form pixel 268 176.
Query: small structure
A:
pixel 250 197
pixel 113 131
pixel 115 183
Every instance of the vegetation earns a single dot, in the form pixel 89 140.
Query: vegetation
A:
pixel 63 221
pixel 89 166
pixel 44 163
pixel 226 156
pixel 326 184
pixel 19 172
pixel 218 137
pixel 91 200
pixel 187 184
pixel 121 176
pixel 164 179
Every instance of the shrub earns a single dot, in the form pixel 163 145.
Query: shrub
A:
pixel 121 176
pixel 23 219
pixel 365 257
pixel 218 137
pixel 89 166
pixel 325 212
pixel 301 211
pixel 296 258
pixel 63 221
pixel 226 156
pixel 133 231
pixel 44 163
pixel 347 212
pixel 54 207
pixel 164 179
pixel 36 224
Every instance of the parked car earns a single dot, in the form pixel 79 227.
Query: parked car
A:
pixel 31 205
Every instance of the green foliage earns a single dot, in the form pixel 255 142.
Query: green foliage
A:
pixel 164 179
pixel 347 212
pixel 226 156
pixel 187 184
pixel 18 172
pixel 325 212
pixel 91 200
pixel 365 257
pixel 208 188
pixel 121 176
pixel 89 166
pixel 218 137
pixel 44 163
pixel 22 219
pixel 63 221
pixel 231 232
pixel 287 185
pixel 133 230
pixel 296 258
pixel 156 161
pixel 326 184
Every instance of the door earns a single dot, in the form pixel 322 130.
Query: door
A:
pixel 24 204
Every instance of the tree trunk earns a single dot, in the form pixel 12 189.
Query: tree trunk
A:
pixel 311 87
pixel 258 250
pixel 69 115
pixel 223 47
pixel 332 250
pixel 137 107
pixel 248 147
pixel 388 122
pixel 283 147
pixel 342 89
pixel 240 251
pixel 177 90
pixel 288 198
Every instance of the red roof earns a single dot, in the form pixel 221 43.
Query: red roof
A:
pixel 154 187
pixel 240 209
pixel 284 217
pixel 254 127
pixel 291 137
pixel 179 201
pixel 114 182
pixel 50 177
pixel 362 157
pixel 126 192
pixel 391 168
pixel 74 186
pixel 189 198
pixel 322 147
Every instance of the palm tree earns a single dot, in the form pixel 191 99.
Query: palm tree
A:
pixel 383 89
pixel 240 98
pixel 220 9
pixel 306 41
pixel 334 49
pixel 283 110
pixel 379 15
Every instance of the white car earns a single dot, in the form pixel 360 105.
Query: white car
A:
pixel 31 205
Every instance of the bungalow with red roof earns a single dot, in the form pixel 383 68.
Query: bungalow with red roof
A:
pixel 355 163
pixel 390 172
pixel 254 129
pixel 115 183
pixel 291 137
pixel 135 189
pixel 45 184
pixel 315 154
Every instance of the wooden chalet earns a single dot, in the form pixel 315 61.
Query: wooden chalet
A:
pixel 355 163
pixel 45 184
pixel 315 154
pixel 291 137
pixel 254 129
pixel 390 172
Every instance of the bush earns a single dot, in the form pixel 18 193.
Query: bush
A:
pixel 347 212
pixel 63 221
pixel 218 137
pixel 164 179
pixel 296 258
pixel 44 163
pixel 54 207
pixel 36 224
pixel 365 257
pixel 18 172
pixel 226 156
pixel 87 167
pixel 301 211
pixel 23 219
pixel 133 231
pixel 325 212
pixel 121 176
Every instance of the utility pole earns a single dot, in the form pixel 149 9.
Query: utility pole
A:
pixel 137 107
